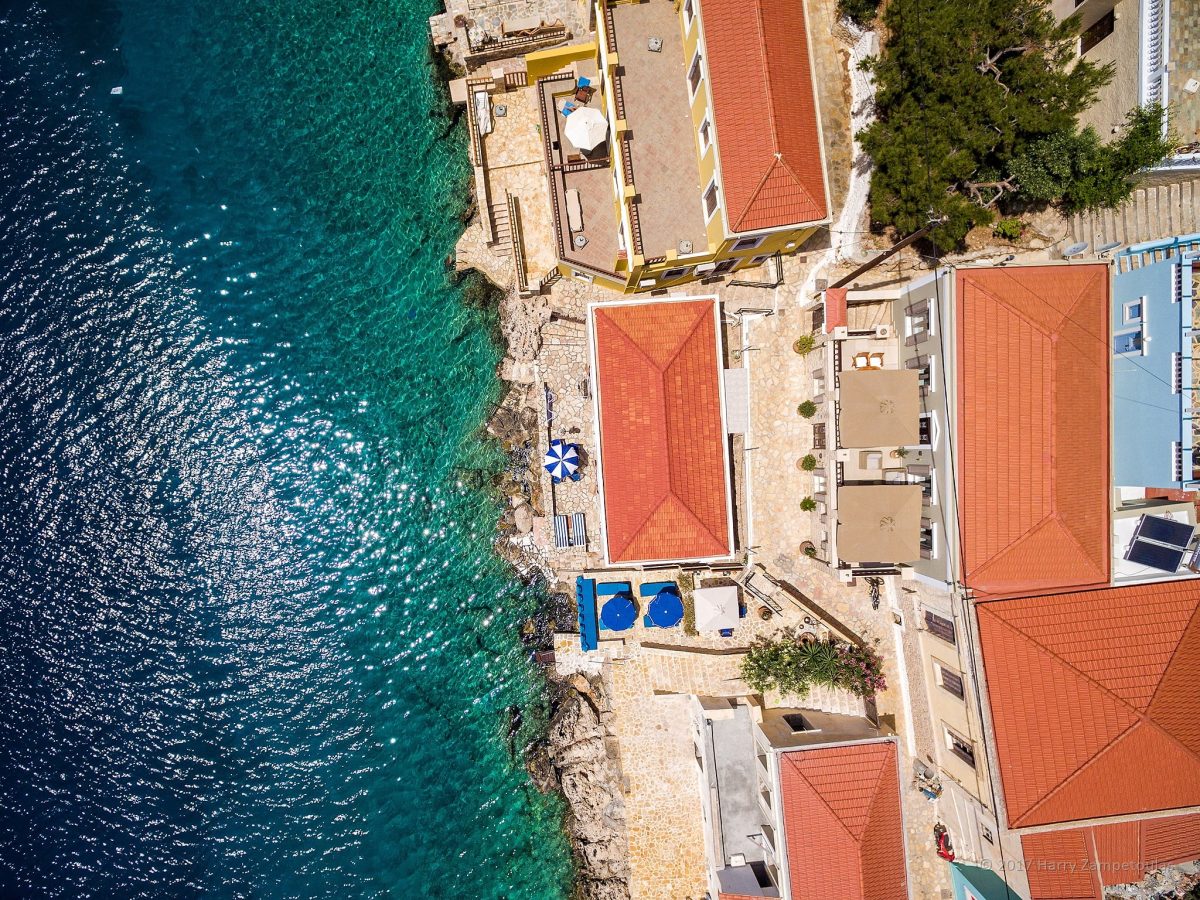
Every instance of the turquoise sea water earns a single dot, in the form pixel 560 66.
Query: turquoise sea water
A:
pixel 253 639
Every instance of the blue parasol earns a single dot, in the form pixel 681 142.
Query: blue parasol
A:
pixel 666 609
pixel 561 459
pixel 619 613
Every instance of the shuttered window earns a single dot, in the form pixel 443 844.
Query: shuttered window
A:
pixel 943 628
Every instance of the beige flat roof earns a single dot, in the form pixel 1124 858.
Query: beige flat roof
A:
pixel 878 408
pixel 879 523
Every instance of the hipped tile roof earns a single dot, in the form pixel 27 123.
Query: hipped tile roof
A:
pixel 666 485
pixel 1033 442
pixel 1092 697
pixel 842 824
pixel 1077 864
pixel 765 112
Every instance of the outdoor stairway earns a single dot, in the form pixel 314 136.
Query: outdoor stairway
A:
pixel 832 700
pixel 1152 213
pixel 501 228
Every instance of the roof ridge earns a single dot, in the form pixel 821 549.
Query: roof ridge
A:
pixel 1016 312
pixel 1065 527
pixel 1142 717
pixel 1087 763
pixel 765 66
pixel 754 195
pixel 821 797
pixel 1174 653
pixel 1013 543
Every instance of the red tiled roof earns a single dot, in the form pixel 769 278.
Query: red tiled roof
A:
pixel 835 309
pixel 662 439
pixel 1077 864
pixel 1033 360
pixel 1092 698
pixel 765 113
pixel 841 818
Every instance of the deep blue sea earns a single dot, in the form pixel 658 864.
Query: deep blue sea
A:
pixel 253 639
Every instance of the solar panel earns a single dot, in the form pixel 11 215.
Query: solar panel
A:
pixel 1156 556
pixel 1165 531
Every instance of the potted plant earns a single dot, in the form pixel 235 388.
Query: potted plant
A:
pixel 899 453
pixel 804 344
pixel 808 409
pixel 808 548
pixel 808 463
pixel 808 504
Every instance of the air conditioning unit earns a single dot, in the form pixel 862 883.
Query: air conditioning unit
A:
pixel 884 331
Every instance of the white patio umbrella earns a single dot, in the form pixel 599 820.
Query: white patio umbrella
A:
pixel 716 607
pixel 586 128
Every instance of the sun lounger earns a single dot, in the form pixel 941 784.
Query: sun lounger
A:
pixel 652 589
pixel 578 531
pixel 560 533
pixel 608 588
pixel 574 211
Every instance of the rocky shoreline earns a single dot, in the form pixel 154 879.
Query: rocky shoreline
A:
pixel 574 759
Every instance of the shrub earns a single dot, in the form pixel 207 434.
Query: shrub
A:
pixel 1008 229
pixel 808 504
pixel 860 12
pixel 810 552
pixel 787 665
pixel 808 463
pixel 804 344
pixel 808 409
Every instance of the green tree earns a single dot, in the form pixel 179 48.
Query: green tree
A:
pixel 962 89
pixel 792 666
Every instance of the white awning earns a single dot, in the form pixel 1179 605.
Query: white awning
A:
pixel 716 607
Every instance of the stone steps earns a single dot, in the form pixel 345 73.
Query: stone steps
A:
pixel 1151 213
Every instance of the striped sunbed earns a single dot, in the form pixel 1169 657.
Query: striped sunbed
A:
pixel 561 540
pixel 578 531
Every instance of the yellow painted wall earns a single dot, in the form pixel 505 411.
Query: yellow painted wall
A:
pixel 541 63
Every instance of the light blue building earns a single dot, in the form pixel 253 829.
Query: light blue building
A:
pixel 975 883
pixel 1152 346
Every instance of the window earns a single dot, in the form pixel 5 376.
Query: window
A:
pixel 916 323
pixel 758 260
pixel 960 747
pixel 672 274
pixel 819 436
pixel 929 490
pixel 925 374
pixel 1133 312
pixel 710 200
pixel 705 135
pixel 951 682
pixel 926 432
pixel 987 834
pixel 1099 30
pixel 689 12
pixel 1127 342
pixel 749 243
pixel 1176 373
pixel 942 627
pixel 928 539
pixel 695 73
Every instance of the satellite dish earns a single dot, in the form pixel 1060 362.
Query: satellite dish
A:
pixel 1107 248
pixel 1074 250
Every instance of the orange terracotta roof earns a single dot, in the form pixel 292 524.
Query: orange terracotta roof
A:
pixel 835 309
pixel 662 438
pixel 1077 864
pixel 1092 698
pixel 765 113
pixel 841 821
pixel 1033 364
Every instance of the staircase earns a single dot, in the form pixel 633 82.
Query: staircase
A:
pixel 1152 213
pixel 830 700
pixel 501 228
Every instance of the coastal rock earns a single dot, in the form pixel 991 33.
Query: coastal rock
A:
pixel 573 758
pixel 523 518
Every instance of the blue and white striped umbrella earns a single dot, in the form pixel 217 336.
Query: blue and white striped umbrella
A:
pixel 561 460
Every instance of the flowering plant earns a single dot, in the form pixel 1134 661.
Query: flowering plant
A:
pixel 791 666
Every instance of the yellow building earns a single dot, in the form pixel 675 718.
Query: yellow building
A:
pixel 713 160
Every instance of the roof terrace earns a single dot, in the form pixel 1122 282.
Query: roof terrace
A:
pixel 650 91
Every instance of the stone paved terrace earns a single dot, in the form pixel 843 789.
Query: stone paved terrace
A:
pixel 663 144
